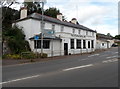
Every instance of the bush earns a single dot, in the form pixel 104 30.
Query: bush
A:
pixel 11 56
pixel 28 55
pixel 44 55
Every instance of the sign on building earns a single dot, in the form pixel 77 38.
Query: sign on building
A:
pixel 49 33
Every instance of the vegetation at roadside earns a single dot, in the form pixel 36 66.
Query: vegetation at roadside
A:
pixel 25 55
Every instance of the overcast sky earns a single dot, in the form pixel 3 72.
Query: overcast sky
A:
pixel 99 15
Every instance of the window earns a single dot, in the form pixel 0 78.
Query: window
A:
pixel 73 30
pixel 92 43
pixel 92 33
pixel 79 31
pixel 88 44
pixel 102 44
pixel 53 27
pixel 46 44
pixel 62 28
pixel 84 44
pixel 72 43
pixel 78 42
pixel 43 24
pixel 86 32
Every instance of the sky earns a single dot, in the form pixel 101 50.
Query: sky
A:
pixel 99 15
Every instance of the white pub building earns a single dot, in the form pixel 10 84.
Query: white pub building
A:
pixel 67 37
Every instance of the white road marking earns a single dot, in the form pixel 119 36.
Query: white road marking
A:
pixel 116 52
pixel 94 55
pixel 78 67
pixel 20 79
pixel 112 60
pixel 111 57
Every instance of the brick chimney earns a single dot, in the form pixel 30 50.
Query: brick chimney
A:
pixel 23 13
pixel 74 21
pixel 60 17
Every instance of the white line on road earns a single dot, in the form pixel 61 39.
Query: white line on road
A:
pixel 20 79
pixel 112 60
pixel 78 67
pixel 94 55
pixel 111 57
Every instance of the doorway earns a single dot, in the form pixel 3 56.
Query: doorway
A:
pixel 65 48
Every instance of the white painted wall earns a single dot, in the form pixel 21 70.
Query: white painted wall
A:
pixel 32 27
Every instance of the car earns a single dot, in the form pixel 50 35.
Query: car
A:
pixel 114 45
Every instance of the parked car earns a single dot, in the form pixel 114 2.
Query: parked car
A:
pixel 115 45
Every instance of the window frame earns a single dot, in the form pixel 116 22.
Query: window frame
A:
pixel 72 44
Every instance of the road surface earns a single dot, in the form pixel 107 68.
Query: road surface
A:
pixel 90 70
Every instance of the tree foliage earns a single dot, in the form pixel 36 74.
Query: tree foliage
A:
pixel 52 12
pixel 16 40
pixel 32 7
pixel 9 16
pixel 117 37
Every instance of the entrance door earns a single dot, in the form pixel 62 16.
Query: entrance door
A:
pixel 65 48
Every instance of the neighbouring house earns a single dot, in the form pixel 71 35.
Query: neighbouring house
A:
pixel 103 41
pixel 59 38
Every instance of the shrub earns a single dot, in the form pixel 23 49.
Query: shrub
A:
pixel 28 55
pixel 11 56
pixel 44 55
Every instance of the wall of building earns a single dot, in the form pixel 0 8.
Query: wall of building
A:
pixel 32 27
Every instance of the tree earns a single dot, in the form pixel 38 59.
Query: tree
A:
pixel 52 12
pixel 117 37
pixel 9 16
pixel 16 40
pixel 7 4
pixel 32 7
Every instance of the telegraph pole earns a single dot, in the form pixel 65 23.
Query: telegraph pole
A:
pixel 42 28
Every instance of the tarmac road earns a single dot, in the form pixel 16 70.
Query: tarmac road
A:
pixel 92 70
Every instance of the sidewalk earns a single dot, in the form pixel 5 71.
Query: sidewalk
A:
pixel 6 62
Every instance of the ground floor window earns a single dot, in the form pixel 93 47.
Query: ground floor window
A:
pixel 78 42
pixel 72 43
pixel 92 43
pixel 102 44
pixel 88 44
pixel 84 44
pixel 46 44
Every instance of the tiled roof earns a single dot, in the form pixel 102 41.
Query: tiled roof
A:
pixel 54 20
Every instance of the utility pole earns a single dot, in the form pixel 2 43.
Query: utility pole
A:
pixel 42 23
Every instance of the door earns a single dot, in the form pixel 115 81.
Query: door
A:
pixel 65 48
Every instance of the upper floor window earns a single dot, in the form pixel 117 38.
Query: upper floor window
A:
pixel 79 31
pixel 73 30
pixel 86 32
pixel 62 28
pixel 43 25
pixel 92 33
pixel 53 27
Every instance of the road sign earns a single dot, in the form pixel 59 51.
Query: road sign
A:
pixel 36 37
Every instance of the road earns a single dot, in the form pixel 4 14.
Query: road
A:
pixel 90 70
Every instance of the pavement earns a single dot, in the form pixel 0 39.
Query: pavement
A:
pixel 6 62
pixel 90 70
